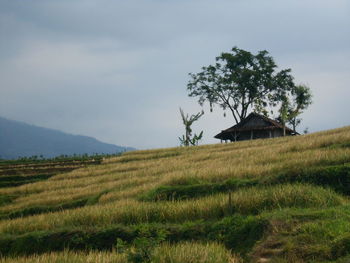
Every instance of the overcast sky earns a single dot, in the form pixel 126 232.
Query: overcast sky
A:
pixel 117 70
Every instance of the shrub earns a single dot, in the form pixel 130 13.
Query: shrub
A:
pixel 239 233
pixel 341 246
pixel 143 245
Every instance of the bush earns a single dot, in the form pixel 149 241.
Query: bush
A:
pixel 239 233
pixel 341 246
pixel 143 246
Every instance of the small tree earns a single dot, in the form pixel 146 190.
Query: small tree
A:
pixel 293 104
pixel 284 113
pixel 187 120
pixel 301 101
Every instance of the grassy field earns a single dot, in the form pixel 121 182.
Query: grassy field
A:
pixel 272 200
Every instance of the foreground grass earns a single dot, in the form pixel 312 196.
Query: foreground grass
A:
pixel 306 235
pixel 194 252
pixel 283 199
pixel 165 253
pixel 246 201
pixel 69 256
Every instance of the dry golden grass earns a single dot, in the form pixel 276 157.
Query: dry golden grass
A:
pixel 193 253
pixel 120 180
pixel 69 257
pixel 129 211
pixel 165 253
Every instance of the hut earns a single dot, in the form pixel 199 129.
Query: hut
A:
pixel 254 126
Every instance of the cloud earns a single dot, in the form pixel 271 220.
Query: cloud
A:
pixel 117 70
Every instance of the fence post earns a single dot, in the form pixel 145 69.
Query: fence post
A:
pixel 230 201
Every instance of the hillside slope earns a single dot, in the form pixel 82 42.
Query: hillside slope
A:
pixel 274 200
pixel 18 139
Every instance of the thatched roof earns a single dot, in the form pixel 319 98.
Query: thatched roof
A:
pixel 267 124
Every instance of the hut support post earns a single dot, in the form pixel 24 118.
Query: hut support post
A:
pixel 235 136
pixel 251 134
pixel 270 133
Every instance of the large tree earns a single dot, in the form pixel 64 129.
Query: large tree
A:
pixel 241 81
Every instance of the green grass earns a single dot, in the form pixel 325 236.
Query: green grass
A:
pixel 235 232
pixel 274 200
pixel 313 235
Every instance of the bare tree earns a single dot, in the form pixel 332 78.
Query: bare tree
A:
pixel 187 120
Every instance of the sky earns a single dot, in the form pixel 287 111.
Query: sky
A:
pixel 118 70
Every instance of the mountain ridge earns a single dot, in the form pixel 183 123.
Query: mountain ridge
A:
pixel 19 139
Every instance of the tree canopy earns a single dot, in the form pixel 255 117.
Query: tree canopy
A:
pixel 241 81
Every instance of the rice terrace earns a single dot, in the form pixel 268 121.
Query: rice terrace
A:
pixel 174 131
pixel 268 200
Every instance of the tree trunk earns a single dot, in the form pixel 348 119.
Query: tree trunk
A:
pixel 294 125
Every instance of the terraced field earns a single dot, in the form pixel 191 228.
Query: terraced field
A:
pixel 17 172
pixel 273 200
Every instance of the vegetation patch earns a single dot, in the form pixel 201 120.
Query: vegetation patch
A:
pixel 250 201
pixel 210 252
pixel 336 177
pixel 341 246
pixel 142 157
pixel 238 233
pixel 34 169
pixel 34 210
pixel 339 145
pixel 5 199
pixel 16 180
pixel 305 235
pixel 187 191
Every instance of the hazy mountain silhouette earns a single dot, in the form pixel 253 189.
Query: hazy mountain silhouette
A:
pixel 18 139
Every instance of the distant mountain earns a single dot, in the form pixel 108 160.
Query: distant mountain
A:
pixel 18 139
